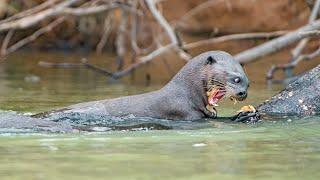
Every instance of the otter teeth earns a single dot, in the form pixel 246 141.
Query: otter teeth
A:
pixel 234 100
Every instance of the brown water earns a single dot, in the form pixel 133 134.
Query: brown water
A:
pixel 277 150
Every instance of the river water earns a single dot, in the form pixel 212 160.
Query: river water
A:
pixel 275 149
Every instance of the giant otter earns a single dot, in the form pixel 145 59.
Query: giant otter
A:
pixel 190 95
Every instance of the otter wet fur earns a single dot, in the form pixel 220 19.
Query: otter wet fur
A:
pixel 184 97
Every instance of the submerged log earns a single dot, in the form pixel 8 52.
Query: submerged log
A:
pixel 12 122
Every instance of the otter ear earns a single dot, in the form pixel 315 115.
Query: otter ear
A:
pixel 210 60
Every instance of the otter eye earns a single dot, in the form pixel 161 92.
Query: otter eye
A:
pixel 237 80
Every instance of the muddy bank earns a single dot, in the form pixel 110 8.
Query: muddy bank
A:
pixel 225 17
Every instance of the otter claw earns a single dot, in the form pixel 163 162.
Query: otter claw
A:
pixel 212 110
pixel 247 117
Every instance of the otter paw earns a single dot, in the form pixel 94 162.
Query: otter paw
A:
pixel 247 114
pixel 212 112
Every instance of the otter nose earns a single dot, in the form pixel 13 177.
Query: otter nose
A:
pixel 242 95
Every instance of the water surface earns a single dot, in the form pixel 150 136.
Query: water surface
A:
pixel 277 150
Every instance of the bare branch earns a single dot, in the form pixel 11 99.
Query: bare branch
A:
pixel 60 9
pixel 108 26
pixel 314 12
pixel 164 23
pixel 315 33
pixel 296 52
pixel 174 43
pixel 6 42
pixel 276 44
pixel 133 33
pixel 232 37
pixel 292 64
pixel 34 19
pixel 84 63
pixel 28 12
pixel 121 40
pixel 96 9
pixel 143 60
pixel 34 36
pixel 301 45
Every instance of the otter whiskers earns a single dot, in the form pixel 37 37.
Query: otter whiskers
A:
pixel 223 88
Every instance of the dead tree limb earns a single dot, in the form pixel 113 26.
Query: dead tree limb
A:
pixel 292 64
pixel 84 64
pixel 166 26
pixel 96 69
pixel 60 9
pixel 232 37
pixel 297 55
pixel 133 32
pixel 274 68
pixel 121 40
pixel 96 9
pixel 30 11
pixel 301 45
pixel 162 21
pixel 5 43
pixel 143 60
pixel 107 29
pixel 34 19
pixel 277 44
pixel 33 37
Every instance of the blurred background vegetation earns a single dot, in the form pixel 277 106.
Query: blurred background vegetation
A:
pixel 171 33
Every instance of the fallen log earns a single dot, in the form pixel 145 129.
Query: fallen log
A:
pixel 299 98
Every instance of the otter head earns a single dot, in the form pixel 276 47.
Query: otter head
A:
pixel 223 77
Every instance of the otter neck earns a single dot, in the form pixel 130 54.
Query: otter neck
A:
pixel 188 82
